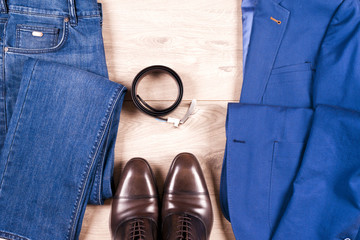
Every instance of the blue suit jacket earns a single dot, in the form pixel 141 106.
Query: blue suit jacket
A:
pixel 292 162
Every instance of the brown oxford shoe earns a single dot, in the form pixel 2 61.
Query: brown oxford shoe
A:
pixel 186 210
pixel 135 207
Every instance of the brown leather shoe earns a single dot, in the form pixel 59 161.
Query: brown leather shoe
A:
pixel 186 210
pixel 135 207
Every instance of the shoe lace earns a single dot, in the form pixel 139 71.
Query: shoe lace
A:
pixel 137 230
pixel 184 227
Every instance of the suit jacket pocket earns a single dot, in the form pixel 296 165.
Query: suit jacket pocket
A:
pixel 290 86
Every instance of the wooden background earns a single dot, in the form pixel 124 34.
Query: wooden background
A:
pixel 201 41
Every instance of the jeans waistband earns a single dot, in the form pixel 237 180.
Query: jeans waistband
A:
pixel 71 8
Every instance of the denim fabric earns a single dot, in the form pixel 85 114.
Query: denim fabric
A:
pixel 58 117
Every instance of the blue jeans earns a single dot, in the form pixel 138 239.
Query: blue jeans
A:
pixel 58 117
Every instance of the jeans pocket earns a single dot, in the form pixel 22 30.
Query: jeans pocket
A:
pixel 32 36
pixel 36 37
pixel 286 161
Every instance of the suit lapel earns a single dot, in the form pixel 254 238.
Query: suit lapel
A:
pixel 268 28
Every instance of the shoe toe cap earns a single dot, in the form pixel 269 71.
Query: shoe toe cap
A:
pixel 185 176
pixel 137 180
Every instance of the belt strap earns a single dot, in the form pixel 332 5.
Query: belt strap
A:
pixel 145 107
pixel 158 113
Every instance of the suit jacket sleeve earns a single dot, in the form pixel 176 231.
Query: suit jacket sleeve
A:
pixel 337 80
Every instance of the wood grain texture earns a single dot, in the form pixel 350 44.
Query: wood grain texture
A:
pixel 201 41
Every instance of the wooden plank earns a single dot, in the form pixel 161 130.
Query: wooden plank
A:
pixel 201 40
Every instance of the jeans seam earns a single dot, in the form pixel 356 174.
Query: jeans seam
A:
pixel 90 163
pixel 96 183
pixel 97 192
pixel 50 13
pixel 12 236
pixel 103 162
pixel 30 28
pixel 17 124
pixel 39 14
pixel 62 15
pixel 4 81
pixel 17 42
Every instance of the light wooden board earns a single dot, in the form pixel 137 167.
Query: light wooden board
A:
pixel 201 41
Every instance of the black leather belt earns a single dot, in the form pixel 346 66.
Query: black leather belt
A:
pixel 158 113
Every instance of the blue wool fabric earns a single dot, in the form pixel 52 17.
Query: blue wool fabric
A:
pixel 291 168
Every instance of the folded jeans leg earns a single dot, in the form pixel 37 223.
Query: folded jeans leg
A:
pixel 64 121
pixel 103 183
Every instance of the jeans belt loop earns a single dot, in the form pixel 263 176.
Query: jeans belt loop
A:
pixel 72 10
pixel 3 6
